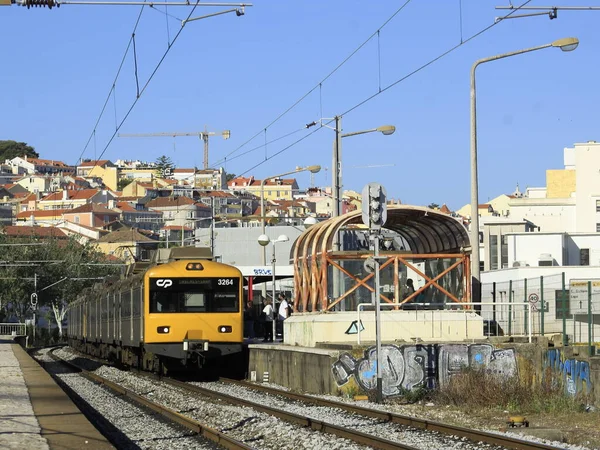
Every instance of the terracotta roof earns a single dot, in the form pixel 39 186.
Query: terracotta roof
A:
pixel 275 182
pixel 47 162
pixel 125 206
pixel 245 182
pixel 445 209
pixel 25 196
pixel 184 170
pixel 72 194
pixel 240 181
pixel 217 194
pixel 100 163
pixel 43 213
pixel 162 202
pixel 125 235
pixel 92 208
pixel 16 231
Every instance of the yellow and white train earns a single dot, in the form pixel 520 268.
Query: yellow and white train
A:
pixel 182 311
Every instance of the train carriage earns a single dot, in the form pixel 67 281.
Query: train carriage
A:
pixel 183 311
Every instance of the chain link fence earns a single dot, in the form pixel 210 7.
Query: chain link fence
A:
pixel 557 306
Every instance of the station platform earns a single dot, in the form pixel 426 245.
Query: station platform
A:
pixel 35 413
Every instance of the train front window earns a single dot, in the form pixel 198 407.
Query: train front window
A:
pixel 194 295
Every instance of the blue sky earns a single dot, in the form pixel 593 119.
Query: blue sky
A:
pixel 241 73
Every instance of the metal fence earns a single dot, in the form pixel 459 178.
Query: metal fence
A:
pixel 570 308
pixel 12 329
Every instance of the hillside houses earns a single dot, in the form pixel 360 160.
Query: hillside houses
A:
pixel 93 200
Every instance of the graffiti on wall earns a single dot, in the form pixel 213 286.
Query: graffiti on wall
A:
pixel 575 374
pixel 406 367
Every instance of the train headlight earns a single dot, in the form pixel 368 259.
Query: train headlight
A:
pixel 224 328
pixel 163 330
pixel 194 266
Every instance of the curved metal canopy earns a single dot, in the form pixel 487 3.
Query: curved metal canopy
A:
pixel 425 230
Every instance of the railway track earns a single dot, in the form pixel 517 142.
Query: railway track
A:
pixel 384 430
pixel 195 426
pixel 471 434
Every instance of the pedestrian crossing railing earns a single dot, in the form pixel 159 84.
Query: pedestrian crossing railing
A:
pixel 12 329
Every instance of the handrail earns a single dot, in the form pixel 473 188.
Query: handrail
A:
pixel 454 305
pixel 13 329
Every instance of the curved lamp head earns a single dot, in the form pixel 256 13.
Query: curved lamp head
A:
pixel 309 222
pixel 387 129
pixel 566 44
pixel 313 169
pixel 283 238
pixel 264 240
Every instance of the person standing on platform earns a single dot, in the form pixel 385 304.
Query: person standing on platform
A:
pixel 284 311
pixel 268 314
pixel 249 320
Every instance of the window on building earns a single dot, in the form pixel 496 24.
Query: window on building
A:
pixel 278 194
pixel 584 257
pixel 598 228
pixel 481 266
pixel 597 205
pixel 481 237
pixel 504 251
pixel 76 219
pixel 493 252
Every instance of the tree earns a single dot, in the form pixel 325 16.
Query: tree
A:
pixel 164 166
pixel 230 176
pixel 433 206
pixel 12 149
pixel 59 268
pixel 123 182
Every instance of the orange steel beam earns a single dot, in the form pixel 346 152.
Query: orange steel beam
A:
pixel 359 282
pixel 431 281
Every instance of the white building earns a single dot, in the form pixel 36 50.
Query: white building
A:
pixel 570 202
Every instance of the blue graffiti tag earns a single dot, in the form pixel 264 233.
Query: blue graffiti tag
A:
pixel 575 374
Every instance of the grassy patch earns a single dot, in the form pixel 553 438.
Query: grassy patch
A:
pixel 473 388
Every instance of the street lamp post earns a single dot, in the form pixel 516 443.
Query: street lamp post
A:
pixel 336 182
pixel 264 240
pixel 312 169
pixel 567 45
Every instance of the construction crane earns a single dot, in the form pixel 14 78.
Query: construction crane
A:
pixel 204 135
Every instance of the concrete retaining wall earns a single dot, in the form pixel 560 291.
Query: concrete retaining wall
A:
pixel 301 369
pixel 352 370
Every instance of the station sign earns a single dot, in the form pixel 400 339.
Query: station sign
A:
pixel 578 296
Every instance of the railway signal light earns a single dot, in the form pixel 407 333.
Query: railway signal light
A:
pixel 374 210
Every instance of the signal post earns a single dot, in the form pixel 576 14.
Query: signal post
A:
pixel 374 214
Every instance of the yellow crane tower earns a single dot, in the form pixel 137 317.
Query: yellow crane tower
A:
pixel 204 135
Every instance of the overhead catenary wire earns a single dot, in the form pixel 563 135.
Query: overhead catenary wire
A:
pixel 394 83
pixel 153 73
pixel 320 83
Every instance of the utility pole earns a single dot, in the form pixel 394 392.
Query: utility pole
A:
pixel 204 135
pixel 212 226
pixel 34 303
